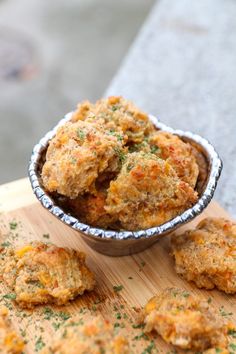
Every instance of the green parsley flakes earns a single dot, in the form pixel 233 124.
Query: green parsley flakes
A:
pixel 13 225
pixel 5 244
pixel 186 294
pixel 224 313
pixel 64 315
pixel 129 167
pixel 149 349
pixel 80 134
pixel 10 296
pixel 232 333
pixel 120 154
pixel 115 108
pixel 154 149
pixel 118 316
pixel 39 344
pixel 232 346
pixel 140 325
pixel 48 313
pixel 118 288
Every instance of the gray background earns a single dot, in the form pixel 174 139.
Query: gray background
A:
pixel 52 55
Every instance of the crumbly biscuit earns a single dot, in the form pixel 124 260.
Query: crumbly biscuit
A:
pixel 77 155
pixel 90 209
pixel 40 274
pixel 116 113
pixel 207 254
pixel 93 337
pixel 147 192
pixel 177 153
pixel 185 321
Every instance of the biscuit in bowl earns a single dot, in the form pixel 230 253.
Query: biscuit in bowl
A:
pixel 78 154
pixel 86 161
pixel 147 192
pixel 75 166
pixel 116 114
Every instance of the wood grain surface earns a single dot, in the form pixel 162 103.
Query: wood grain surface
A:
pixel 138 277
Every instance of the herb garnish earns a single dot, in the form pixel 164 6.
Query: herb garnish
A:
pixel 56 325
pixel 186 294
pixel 224 313
pixel 114 108
pixel 120 154
pixel 149 348
pixel 80 134
pixel 118 288
pixel 10 296
pixel 129 167
pixel 140 325
pixel 117 135
pixel 118 316
pixel 232 332
pixel 39 344
pixel 5 244
pixel 13 225
pixel 154 149
pixel 232 346
pixel 116 324
pixel 142 335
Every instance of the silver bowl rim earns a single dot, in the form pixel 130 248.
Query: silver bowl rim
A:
pixel 189 214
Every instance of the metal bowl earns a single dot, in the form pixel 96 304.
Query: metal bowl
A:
pixel 120 243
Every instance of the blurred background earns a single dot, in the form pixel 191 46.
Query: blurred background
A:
pixel 54 53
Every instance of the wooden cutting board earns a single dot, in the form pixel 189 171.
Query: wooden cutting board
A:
pixel 140 276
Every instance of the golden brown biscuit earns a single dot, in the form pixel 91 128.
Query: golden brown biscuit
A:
pixel 147 192
pixel 78 154
pixel 116 113
pixel 95 336
pixel 185 321
pixel 90 209
pixel 177 153
pixel 206 255
pixel 10 343
pixel 40 274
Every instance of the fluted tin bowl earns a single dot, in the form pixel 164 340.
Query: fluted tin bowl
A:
pixel 118 243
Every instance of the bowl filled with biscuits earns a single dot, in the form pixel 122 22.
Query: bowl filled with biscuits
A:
pixel 121 177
